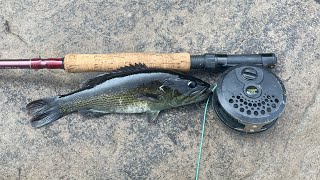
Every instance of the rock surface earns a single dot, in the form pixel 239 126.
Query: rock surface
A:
pixel 126 146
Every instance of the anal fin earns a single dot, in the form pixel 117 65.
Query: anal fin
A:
pixel 92 113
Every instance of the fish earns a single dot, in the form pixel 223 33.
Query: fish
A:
pixel 131 89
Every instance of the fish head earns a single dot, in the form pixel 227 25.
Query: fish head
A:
pixel 182 90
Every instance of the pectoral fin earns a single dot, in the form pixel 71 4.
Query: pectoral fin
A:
pixel 152 116
pixel 148 97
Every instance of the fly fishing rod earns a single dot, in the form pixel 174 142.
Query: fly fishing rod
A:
pixel 76 63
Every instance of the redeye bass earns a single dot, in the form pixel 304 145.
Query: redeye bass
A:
pixel 132 89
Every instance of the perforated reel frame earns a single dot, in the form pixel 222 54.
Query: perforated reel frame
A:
pixel 249 99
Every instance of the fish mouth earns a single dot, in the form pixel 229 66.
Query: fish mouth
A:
pixel 200 93
pixel 203 90
pixel 197 96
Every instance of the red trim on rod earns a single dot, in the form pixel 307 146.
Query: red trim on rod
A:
pixel 36 63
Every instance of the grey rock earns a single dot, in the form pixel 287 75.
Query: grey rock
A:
pixel 126 146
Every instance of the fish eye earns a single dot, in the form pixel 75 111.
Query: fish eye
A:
pixel 192 84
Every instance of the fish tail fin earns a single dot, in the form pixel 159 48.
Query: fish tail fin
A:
pixel 44 111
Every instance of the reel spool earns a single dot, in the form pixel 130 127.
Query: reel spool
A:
pixel 249 99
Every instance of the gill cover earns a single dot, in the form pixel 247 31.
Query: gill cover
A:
pixel 183 89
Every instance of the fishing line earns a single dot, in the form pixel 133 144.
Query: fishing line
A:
pixel 246 98
pixel 202 132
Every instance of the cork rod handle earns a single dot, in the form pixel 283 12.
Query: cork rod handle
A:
pixel 109 62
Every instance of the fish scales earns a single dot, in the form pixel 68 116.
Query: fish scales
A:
pixel 104 100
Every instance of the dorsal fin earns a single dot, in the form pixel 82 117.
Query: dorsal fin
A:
pixel 117 73
pixel 131 68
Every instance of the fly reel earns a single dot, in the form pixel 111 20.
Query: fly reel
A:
pixel 249 98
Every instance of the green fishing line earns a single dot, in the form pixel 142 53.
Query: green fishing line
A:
pixel 202 132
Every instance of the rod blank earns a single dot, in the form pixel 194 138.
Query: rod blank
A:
pixel 36 63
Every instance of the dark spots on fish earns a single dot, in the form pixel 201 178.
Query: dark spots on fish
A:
pixel 173 138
